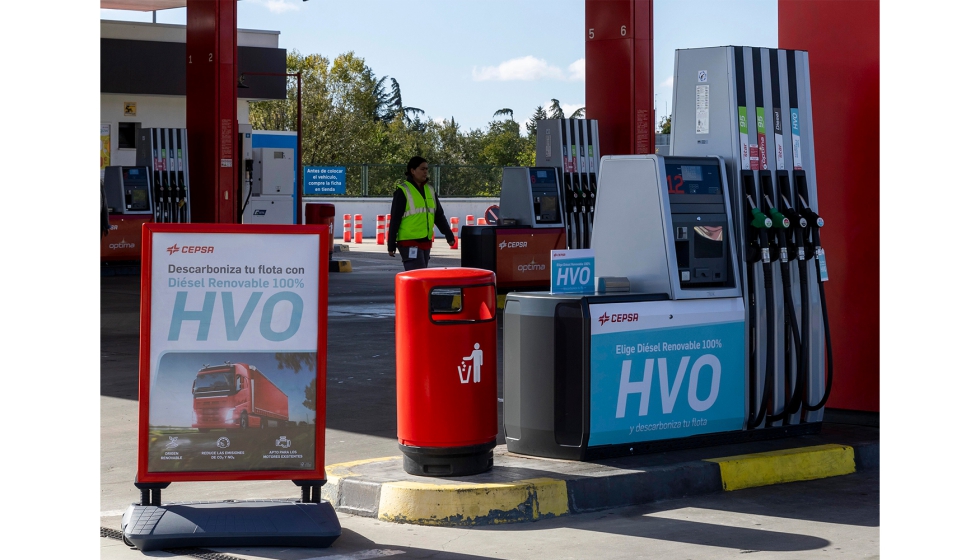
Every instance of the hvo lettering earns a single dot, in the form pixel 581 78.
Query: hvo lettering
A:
pixel 669 392
pixel 574 275
pixel 235 326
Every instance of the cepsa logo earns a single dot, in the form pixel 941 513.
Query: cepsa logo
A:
pixel 618 318
pixel 190 249
pixel 512 244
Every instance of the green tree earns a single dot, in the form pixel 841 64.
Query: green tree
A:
pixel 665 125
pixel 578 114
pixel 555 110
pixel 532 124
pixel 297 361
pixel 504 113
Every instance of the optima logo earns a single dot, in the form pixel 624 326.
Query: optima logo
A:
pixel 618 318
pixel 190 249
pixel 512 244
pixel 531 266
pixel 122 245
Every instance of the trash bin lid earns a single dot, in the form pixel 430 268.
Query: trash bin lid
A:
pixel 446 276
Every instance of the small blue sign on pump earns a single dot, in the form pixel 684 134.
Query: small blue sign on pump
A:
pixel 324 180
pixel 573 271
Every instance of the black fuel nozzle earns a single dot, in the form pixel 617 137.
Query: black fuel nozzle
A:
pixel 796 219
pixel 813 219
pixel 800 247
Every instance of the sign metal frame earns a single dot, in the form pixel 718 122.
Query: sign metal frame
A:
pixel 316 472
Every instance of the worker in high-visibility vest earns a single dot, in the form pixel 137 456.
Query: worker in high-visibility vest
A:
pixel 415 210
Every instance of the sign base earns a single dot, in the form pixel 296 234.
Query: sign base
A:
pixel 231 523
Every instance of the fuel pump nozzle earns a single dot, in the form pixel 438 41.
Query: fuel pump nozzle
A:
pixel 780 222
pixel 798 223
pixel 758 248
pixel 815 223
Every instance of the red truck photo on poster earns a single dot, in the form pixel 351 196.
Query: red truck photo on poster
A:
pixel 237 396
pixel 232 352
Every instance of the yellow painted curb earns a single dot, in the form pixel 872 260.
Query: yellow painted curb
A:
pixel 472 504
pixel 344 266
pixel 500 301
pixel 337 471
pixel 787 465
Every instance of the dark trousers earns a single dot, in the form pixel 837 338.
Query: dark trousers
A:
pixel 421 259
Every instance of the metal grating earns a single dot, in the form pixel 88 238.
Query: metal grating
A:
pixel 204 553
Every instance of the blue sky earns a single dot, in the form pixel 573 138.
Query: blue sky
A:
pixel 466 60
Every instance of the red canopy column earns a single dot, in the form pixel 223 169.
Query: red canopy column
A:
pixel 619 74
pixel 212 109
pixel 842 38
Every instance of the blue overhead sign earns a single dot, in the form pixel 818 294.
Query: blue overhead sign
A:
pixel 324 180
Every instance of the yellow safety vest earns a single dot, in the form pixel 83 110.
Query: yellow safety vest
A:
pixel 420 213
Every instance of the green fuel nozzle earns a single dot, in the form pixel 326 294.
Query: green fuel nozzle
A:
pixel 778 219
pixel 759 220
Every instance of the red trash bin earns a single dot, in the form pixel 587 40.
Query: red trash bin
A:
pixel 318 213
pixel 446 370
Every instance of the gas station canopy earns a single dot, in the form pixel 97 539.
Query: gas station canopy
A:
pixel 142 5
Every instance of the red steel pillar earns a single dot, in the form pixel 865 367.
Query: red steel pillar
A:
pixel 619 74
pixel 212 109
pixel 842 38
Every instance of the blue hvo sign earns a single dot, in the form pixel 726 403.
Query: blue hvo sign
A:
pixel 659 370
pixel 324 180
pixel 573 271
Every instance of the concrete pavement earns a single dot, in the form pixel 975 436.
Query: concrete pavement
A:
pixel 361 422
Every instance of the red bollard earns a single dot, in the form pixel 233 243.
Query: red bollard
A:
pixel 454 225
pixel 357 229
pixel 446 370
pixel 481 222
pixel 380 229
pixel 346 228
pixel 469 220
pixel 387 226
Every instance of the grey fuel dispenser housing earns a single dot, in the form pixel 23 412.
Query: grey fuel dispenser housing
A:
pixel 658 198
pixel 531 196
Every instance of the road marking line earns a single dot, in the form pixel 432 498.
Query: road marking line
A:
pixel 786 465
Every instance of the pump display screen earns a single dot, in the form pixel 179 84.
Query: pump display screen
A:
pixel 693 178
pixel 545 175
pixel 548 210
pixel 139 199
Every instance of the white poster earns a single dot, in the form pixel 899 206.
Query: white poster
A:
pixel 233 352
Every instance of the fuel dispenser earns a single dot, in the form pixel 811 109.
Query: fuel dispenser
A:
pixel 572 145
pixel 164 152
pixel 531 225
pixel 127 190
pixel 128 193
pixel 751 106
pixel 703 330
pixel 268 195
pixel 661 361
